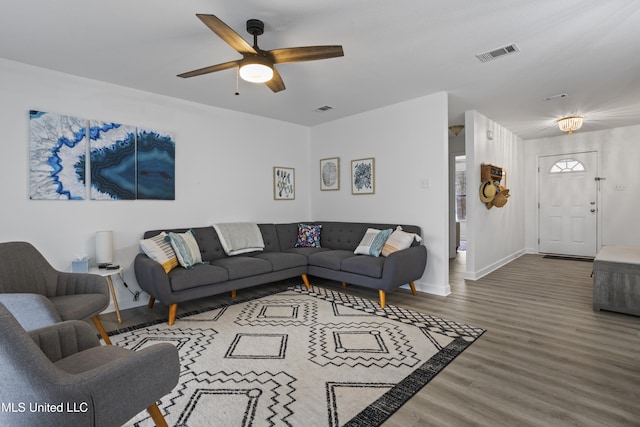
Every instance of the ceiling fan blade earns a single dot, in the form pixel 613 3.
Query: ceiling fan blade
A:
pixel 305 53
pixel 276 83
pixel 227 34
pixel 211 69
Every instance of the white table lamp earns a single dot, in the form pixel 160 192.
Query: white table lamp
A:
pixel 104 248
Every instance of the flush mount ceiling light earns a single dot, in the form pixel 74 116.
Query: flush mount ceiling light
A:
pixel 255 69
pixel 570 123
pixel 456 129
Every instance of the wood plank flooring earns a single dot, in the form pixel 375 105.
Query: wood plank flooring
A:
pixel 547 359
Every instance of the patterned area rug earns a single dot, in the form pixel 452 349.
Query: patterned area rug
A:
pixel 299 358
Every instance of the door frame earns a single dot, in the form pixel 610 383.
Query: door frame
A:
pixel 598 197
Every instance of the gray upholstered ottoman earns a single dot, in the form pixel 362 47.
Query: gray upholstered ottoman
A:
pixel 616 279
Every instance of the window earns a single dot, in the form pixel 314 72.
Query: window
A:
pixel 567 165
pixel 461 188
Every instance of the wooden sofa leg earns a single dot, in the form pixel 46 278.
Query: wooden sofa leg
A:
pixel 413 287
pixel 173 309
pixel 156 416
pixel 151 301
pixel 383 298
pixel 305 279
pixel 233 293
pixel 344 284
pixel 100 328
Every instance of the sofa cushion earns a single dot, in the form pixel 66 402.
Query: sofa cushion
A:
pixel 308 236
pixel 283 260
pixel 270 237
pixel 198 275
pixel 330 259
pixel 209 243
pixel 243 266
pixel 343 235
pixel 287 235
pixel 307 252
pixel 365 265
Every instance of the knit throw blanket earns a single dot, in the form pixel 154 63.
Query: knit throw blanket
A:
pixel 239 237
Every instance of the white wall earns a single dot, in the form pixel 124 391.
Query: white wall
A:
pixel 618 156
pixel 409 143
pixel 224 164
pixel 494 236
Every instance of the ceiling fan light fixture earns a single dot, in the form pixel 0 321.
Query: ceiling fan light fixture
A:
pixel 570 123
pixel 255 69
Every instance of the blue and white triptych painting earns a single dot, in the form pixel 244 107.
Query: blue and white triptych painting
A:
pixel 114 161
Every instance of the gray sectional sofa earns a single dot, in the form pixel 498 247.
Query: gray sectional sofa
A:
pixel 280 259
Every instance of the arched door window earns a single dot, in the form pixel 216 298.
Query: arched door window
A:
pixel 567 165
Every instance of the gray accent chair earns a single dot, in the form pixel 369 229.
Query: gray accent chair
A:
pixel 60 375
pixel 75 296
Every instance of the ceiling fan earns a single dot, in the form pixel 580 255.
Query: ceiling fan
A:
pixel 257 65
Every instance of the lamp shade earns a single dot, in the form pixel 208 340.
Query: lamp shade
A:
pixel 255 69
pixel 104 247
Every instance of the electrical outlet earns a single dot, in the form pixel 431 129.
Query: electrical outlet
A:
pixel 425 183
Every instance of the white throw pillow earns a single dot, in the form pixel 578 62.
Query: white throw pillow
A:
pixel 161 251
pixel 398 241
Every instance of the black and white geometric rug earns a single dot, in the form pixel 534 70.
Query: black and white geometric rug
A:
pixel 299 358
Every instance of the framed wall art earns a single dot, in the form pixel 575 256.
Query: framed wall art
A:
pixel 330 174
pixel 284 183
pixel 363 176
pixel 72 158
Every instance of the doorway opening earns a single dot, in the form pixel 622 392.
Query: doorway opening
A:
pixel 460 186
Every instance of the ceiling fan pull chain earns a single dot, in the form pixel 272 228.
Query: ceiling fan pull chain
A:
pixel 237 75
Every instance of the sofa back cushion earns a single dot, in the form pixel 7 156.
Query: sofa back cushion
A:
pixel 287 235
pixel 270 237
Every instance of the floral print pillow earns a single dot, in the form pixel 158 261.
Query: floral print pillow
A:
pixel 308 236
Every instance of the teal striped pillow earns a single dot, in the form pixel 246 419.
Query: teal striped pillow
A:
pixel 379 241
pixel 186 248
pixel 372 242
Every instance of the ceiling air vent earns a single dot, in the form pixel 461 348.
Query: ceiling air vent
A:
pixel 498 53
pixel 324 108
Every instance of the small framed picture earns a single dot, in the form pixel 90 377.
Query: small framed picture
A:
pixel 330 174
pixel 363 176
pixel 284 183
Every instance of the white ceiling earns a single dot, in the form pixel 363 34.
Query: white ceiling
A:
pixel 394 51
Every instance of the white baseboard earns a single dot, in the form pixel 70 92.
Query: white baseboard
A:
pixel 430 288
pixel 493 267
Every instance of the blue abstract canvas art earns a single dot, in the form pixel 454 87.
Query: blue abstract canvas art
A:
pixel 71 158
pixel 57 155
pixel 112 157
pixel 156 165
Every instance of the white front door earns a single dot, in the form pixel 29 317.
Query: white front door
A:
pixel 568 204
